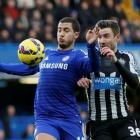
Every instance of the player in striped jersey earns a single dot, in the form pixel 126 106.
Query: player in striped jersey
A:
pixel 108 109
pixel 56 113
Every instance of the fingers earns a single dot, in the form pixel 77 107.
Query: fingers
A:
pixel 92 35
pixel 84 82
pixel 94 30
pixel 90 31
pixel 106 50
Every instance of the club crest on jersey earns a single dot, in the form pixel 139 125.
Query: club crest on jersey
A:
pixel 122 61
pixel 65 58
pixel 46 58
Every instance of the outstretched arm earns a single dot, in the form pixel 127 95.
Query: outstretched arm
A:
pixel 93 55
pixel 18 69
pixel 93 52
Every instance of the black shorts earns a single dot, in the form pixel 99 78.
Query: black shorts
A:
pixel 137 116
pixel 120 129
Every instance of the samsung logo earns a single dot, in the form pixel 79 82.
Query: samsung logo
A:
pixel 54 66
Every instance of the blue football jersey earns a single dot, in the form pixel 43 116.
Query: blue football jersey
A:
pixel 59 73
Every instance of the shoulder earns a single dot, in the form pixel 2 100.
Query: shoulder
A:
pixel 126 53
pixel 128 56
pixel 80 52
pixel 49 51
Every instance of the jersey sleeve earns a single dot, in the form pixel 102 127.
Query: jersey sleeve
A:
pixel 18 69
pixel 83 63
pixel 129 76
pixel 132 64
pixel 87 65
pixel 94 59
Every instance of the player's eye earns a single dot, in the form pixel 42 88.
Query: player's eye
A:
pixel 66 30
pixel 106 35
pixel 99 36
pixel 59 30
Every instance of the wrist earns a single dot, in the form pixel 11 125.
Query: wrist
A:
pixel 90 41
pixel 114 59
pixel 91 44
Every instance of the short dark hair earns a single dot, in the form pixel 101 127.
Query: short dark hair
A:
pixel 113 24
pixel 75 23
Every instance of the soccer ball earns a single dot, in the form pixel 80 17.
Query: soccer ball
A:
pixel 31 51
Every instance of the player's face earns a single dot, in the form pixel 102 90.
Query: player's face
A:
pixel 107 38
pixel 66 35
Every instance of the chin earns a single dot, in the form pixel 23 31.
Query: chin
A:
pixel 63 46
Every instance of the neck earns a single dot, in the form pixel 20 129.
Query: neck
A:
pixel 115 49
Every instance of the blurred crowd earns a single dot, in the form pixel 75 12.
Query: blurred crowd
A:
pixel 13 125
pixel 21 19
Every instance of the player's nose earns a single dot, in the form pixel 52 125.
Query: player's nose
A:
pixel 102 40
pixel 61 34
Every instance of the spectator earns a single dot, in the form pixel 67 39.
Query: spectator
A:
pixel 126 35
pixel 24 18
pixel 110 9
pixel 10 112
pixel 62 9
pixel 25 4
pixel 48 8
pixel 119 12
pixel 2 132
pixel 49 34
pixel 97 10
pixel 40 6
pixel 136 37
pixel 19 36
pixel 32 33
pixel 8 24
pixel 11 9
pixel 84 11
pixel 4 36
pixel 29 132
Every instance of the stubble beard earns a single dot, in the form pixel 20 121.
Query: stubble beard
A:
pixel 63 46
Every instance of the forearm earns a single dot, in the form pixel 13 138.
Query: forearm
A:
pixel 130 78
pixel 18 69
pixel 93 55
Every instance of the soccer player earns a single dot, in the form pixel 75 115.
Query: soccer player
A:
pixel 56 113
pixel 108 108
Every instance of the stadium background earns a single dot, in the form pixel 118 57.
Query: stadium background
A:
pixel 21 19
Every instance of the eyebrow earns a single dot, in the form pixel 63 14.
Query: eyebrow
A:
pixel 64 27
pixel 104 34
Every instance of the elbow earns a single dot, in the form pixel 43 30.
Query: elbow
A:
pixel 134 83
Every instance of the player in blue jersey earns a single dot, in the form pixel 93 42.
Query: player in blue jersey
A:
pixel 56 113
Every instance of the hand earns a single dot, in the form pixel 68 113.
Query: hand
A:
pixel 92 35
pixel 84 82
pixel 109 53
pixel 131 108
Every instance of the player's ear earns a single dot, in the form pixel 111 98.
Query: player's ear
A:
pixel 76 35
pixel 117 37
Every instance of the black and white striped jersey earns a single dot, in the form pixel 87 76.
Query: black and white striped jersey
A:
pixel 107 98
